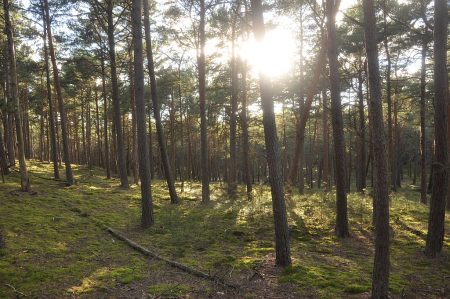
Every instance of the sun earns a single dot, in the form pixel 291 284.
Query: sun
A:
pixel 274 56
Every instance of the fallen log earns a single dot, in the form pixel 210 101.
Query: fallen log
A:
pixel 174 264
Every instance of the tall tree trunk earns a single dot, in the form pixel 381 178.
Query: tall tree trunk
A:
pixel 326 142
pixel 361 135
pixel 380 275
pixel 244 125
pixel 423 145
pixel 88 130
pixel 97 130
pixel 234 100
pixel 202 99
pixel 389 102
pixel 144 160
pixel 24 180
pixel 105 115
pixel 156 109
pixel 62 112
pixel 435 236
pixel 54 146
pixel 3 161
pixel 121 160
pixel 134 153
pixel 283 256
pixel 337 124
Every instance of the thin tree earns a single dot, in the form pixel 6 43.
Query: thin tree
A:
pixel 337 123
pixel 117 119
pixel 435 236
pixel 234 103
pixel 423 147
pixel 202 101
pixel 3 160
pixel 244 125
pixel 139 92
pixel 283 256
pixel 380 274
pixel 53 145
pixel 156 108
pixel 57 84
pixel 24 180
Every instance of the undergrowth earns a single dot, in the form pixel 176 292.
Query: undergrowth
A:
pixel 52 251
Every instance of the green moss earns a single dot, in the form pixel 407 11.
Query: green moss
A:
pixel 356 288
pixel 53 249
pixel 168 290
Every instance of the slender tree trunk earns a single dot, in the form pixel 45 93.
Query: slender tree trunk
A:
pixel 203 109
pixel 97 130
pixel 283 256
pixel 105 115
pixel 156 109
pixel 337 124
pixel 11 139
pixel 244 124
pixel 423 145
pixel 389 104
pixel 362 136
pixel 326 142
pixel 144 160
pixel 24 180
pixel 435 237
pixel 234 100
pixel 54 146
pixel 88 130
pixel 380 275
pixel 3 161
pixel 62 112
pixel 120 149
pixel 134 150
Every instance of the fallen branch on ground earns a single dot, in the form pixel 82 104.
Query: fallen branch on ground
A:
pixel 174 264
pixel 15 290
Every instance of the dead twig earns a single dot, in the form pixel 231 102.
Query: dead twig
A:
pixel 174 264
pixel 15 290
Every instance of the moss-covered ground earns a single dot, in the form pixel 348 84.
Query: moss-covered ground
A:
pixel 54 251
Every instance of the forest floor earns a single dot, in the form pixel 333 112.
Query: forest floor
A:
pixel 57 246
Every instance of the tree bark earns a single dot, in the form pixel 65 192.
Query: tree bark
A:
pixel 24 180
pixel 361 136
pixel 121 160
pixel 105 115
pixel 234 100
pixel 156 109
pixel 202 100
pixel 337 124
pixel 423 145
pixel 283 256
pixel 244 125
pixel 52 125
pixel 435 236
pixel 57 84
pixel 326 142
pixel 3 161
pixel 380 275
pixel 134 150
pixel 144 160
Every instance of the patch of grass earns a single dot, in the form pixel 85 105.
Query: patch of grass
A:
pixel 168 290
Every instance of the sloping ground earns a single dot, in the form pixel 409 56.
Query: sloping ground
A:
pixel 54 252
